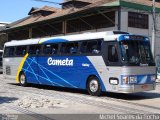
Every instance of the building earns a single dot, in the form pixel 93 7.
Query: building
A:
pixel 80 16
pixel 3 25
pixel 2 35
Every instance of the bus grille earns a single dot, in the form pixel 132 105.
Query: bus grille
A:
pixel 8 70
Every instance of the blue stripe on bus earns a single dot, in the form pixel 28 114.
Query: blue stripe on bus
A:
pixel 58 40
pixel 60 75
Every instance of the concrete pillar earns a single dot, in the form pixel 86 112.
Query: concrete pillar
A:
pixel 30 33
pixel 64 27
pixel 118 19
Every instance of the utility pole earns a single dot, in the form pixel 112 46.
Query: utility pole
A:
pixel 153 28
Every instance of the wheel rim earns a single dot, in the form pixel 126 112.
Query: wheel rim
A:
pixel 93 85
pixel 22 79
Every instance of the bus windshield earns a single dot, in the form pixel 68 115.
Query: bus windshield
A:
pixel 136 52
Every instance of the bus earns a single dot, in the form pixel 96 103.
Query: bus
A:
pixel 1 61
pixel 112 61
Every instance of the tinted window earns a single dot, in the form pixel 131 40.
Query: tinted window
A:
pixel 1 58
pixel 34 50
pixel 136 52
pixel 21 50
pixel 112 53
pixel 83 47
pixel 93 47
pixel 69 48
pixel 50 49
pixel 9 51
pixel 1 54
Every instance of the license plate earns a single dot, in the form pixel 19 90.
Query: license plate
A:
pixel 144 86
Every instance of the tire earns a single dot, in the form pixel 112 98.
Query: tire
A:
pixel 22 79
pixel 93 86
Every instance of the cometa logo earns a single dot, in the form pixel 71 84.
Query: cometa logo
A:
pixel 64 62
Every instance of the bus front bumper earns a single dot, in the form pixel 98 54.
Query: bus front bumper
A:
pixel 137 88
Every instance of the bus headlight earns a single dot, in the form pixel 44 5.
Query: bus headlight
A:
pixel 125 79
pixel 133 79
pixel 153 78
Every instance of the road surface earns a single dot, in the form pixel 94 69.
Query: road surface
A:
pixel 40 102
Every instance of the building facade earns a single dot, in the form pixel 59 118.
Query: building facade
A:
pixel 3 25
pixel 3 38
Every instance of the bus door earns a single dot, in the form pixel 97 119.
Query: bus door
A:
pixel 33 64
pixel 112 62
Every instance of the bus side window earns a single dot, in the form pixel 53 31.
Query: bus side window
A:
pixel 83 48
pixel 95 47
pixel 31 49
pixel 34 50
pixel 9 51
pixel 38 49
pixel 54 49
pixel 21 50
pixel 50 49
pixel 69 48
pixel 73 48
pixel 91 47
pixel 112 53
pixel 63 48
pixel 6 51
pixel 47 49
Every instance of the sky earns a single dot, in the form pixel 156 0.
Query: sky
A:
pixel 12 10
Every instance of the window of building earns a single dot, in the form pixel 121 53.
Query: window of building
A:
pixel 138 20
pixel 90 22
pixel 112 53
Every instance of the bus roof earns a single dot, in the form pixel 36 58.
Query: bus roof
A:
pixel 107 36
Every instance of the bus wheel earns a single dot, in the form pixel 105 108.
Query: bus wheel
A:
pixel 93 86
pixel 22 79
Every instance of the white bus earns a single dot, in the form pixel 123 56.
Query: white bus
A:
pixel 112 61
